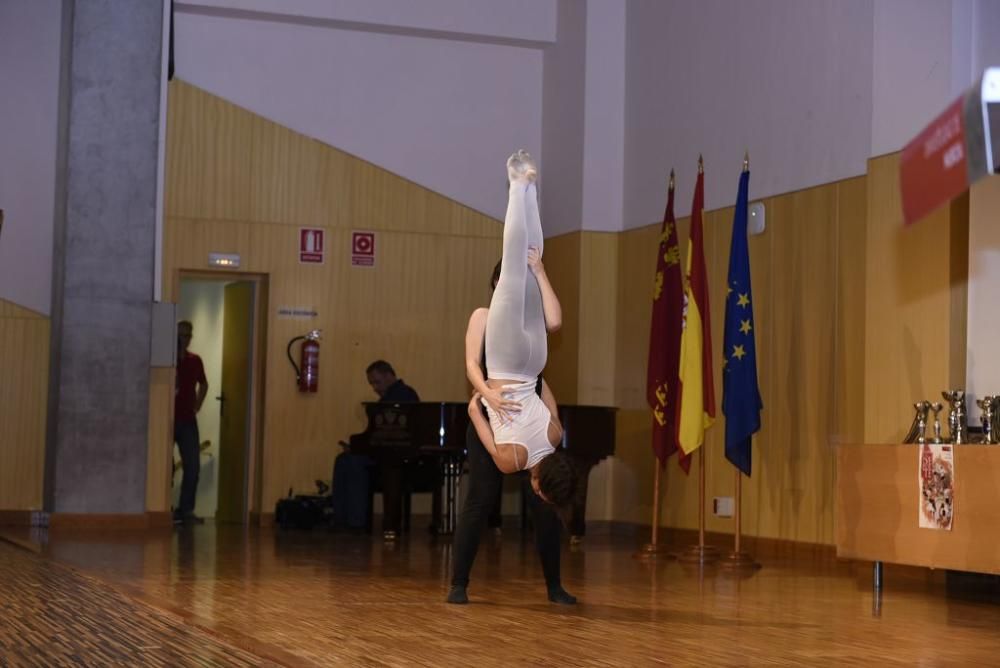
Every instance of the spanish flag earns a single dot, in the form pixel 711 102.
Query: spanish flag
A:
pixel 696 410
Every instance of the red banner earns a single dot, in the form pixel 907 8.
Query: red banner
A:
pixel 932 167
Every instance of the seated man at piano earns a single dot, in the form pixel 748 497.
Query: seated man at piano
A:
pixel 389 388
pixel 351 472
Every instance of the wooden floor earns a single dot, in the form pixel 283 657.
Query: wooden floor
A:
pixel 222 596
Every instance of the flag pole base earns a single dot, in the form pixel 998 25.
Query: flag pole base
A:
pixel 654 551
pixel 699 554
pixel 739 561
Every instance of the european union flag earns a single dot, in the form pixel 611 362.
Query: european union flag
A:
pixel 741 402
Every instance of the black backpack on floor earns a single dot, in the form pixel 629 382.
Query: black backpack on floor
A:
pixel 304 511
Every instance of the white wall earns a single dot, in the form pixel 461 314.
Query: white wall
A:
pixel 789 81
pixel 983 357
pixel 912 75
pixel 561 178
pixel 30 40
pixel 529 20
pixel 442 111
pixel 986 28
pixel 202 303
pixel 604 116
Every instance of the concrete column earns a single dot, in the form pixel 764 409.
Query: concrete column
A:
pixel 103 264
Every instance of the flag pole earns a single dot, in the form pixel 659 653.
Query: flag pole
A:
pixel 700 553
pixel 654 548
pixel 738 559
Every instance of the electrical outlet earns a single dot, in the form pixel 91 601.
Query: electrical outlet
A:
pixel 722 506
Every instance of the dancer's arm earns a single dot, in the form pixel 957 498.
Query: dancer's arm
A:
pixel 505 458
pixel 550 303
pixel 474 336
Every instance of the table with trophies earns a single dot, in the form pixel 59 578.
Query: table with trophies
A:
pixel 931 501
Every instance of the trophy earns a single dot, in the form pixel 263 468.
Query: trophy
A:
pixel 918 429
pixel 995 422
pixel 958 430
pixel 989 407
pixel 936 407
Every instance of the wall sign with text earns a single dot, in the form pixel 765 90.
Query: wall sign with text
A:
pixel 363 249
pixel 311 245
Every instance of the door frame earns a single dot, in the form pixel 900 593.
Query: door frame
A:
pixel 252 480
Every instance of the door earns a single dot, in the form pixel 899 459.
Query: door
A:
pixel 234 425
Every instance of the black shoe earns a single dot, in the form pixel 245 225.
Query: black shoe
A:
pixel 457 595
pixel 193 519
pixel 561 596
pixel 178 520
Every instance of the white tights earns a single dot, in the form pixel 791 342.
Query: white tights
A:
pixel 516 341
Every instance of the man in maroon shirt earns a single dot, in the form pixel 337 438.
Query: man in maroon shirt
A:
pixel 189 393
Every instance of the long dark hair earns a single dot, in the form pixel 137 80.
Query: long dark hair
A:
pixel 495 278
pixel 557 479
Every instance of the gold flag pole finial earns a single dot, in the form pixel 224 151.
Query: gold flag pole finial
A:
pixel 670 185
pixel 746 161
pixel 701 165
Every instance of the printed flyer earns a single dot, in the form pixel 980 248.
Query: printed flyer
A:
pixel 937 485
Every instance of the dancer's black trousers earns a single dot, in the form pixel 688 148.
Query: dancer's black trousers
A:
pixel 485 482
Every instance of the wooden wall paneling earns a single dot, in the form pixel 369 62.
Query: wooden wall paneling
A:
pixel 598 318
pixel 208 156
pixel 470 261
pixel 24 364
pixel 908 307
pixel 636 265
pixel 958 298
pixel 562 260
pixel 797 465
pixel 308 425
pixel 852 214
pixel 289 180
pixel 849 322
pixel 637 251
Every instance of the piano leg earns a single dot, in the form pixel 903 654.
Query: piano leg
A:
pixel 436 527
pixel 392 498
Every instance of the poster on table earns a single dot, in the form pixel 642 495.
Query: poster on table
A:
pixel 937 485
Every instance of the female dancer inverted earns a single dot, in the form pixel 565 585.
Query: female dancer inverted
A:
pixel 523 430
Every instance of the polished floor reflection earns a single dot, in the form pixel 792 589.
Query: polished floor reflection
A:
pixel 51 615
pixel 323 599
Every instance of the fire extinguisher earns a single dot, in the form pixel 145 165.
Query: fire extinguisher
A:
pixel 307 371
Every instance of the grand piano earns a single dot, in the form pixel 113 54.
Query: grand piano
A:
pixel 405 439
